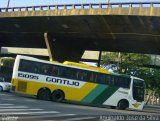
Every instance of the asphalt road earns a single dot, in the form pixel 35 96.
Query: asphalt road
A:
pixel 17 107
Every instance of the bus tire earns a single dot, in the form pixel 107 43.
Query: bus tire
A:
pixel 44 94
pixel 57 96
pixel 123 104
pixel 1 88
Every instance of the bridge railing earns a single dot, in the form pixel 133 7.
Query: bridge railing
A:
pixel 81 6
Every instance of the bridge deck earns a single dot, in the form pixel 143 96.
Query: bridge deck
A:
pixel 125 27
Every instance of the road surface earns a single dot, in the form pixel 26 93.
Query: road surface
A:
pixel 17 107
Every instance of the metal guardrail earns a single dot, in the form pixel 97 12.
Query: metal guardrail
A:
pixel 81 6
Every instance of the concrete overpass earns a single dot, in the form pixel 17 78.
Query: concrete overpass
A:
pixel 68 30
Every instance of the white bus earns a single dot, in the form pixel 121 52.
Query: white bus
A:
pixel 76 82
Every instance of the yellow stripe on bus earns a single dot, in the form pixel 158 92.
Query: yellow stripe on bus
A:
pixel 32 87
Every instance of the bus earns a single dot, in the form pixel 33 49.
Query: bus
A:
pixel 71 81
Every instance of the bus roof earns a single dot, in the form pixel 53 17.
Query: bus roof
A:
pixel 82 65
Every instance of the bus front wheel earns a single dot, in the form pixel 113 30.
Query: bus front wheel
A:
pixel 44 94
pixel 123 104
pixel 57 96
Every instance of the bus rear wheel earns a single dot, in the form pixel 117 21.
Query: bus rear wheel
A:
pixel 57 96
pixel 44 94
pixel 123 104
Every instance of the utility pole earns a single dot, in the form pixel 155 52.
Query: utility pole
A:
pixel 8 3
pixel 99 59
pixel 108 3
pixel 119 60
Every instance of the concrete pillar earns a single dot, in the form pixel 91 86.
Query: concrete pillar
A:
pixel 49 45
pixel 99 58
pixel 60 50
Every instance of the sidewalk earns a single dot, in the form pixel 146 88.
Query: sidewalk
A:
pixel 151 106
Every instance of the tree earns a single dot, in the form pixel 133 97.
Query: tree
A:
pixel 127 63
pixel 7 61
pixel 133 64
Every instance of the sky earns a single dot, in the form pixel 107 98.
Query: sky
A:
pixel 16 3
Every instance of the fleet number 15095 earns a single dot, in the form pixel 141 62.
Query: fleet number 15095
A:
pixel 28 76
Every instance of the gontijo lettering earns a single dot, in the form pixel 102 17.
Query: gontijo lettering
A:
pixel 62 81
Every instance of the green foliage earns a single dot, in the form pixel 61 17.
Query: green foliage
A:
pixel 6 65
pixel 133 64
pixel 109 58
pixel 7 62
pixel 154 80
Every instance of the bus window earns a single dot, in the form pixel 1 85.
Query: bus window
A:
pixel 35 69
pixel 66 72
pixel 29 66
pixel 55 71
pixel 63 72
pixel 127 82
pixel 24 66
pixel 71 73
pixel 117 81
pixel 93 77
pixel 101 78
pixel 108 78
pixel 80 75
pixel 83 75
pixel 122 82
pixel 45 69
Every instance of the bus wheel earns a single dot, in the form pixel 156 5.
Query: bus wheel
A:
pixel 57 96
pixel 123 104
pixel 44 94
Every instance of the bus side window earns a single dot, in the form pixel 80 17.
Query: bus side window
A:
pixel 70 73
pixel 95 77
pixel 92 77
pixel 73 73
pixel 116 81
pixel 35 69
pixel 25 66
pixel 55 71
pixel 83 75
pixel 100 78
pixel 86 76
pixel 62 72
pixel 43 69
pixel 110 80
pixel 79 75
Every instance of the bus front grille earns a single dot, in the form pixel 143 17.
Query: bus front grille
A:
pixel 22 86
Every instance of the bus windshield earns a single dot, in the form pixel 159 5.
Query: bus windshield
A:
pixel 138 90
